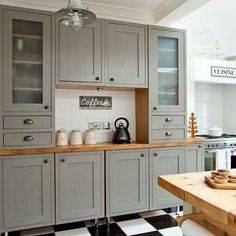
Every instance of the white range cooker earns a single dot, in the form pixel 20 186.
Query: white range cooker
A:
pixel 220 152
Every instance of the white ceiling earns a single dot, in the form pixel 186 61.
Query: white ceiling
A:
pixel 160 12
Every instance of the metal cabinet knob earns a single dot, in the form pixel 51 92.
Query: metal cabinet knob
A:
pixel 155 155
pixel 168 134
pixel 46 107
pixel 45 161
pixel 199 146
pixel 168 119
pixel 28 122
pixel 142 155
pixel 111 79
pixel 155 108
pixel 97 78
pixel 63 160
pixel 28 138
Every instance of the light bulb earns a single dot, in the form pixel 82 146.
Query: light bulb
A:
pixel 76 21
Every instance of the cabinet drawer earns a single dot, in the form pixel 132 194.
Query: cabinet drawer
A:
pixel 167 121
pixel 27 139
pixel 27 122
pixel 168 134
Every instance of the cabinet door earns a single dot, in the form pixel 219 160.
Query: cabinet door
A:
pixel 194 158
pixel 167 70
pixel 80 186
pixel 28 190
pixel 126 55
pixel 79 56
pixel 126 181
pixel 164 162
pixel 27 61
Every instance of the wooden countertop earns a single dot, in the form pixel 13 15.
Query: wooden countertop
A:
pixel 217 204
pixel 98 147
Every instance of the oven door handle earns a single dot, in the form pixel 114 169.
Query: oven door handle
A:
pixel 212 151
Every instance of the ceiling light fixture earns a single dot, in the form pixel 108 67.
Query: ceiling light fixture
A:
pixel 74 15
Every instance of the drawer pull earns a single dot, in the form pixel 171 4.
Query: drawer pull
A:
pixel 28 122
pixel 28 138
pixel 45 161
pixel 169 134
pixel 168 119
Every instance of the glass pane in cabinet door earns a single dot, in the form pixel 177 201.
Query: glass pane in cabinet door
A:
pixel 168 82
pixel 27 53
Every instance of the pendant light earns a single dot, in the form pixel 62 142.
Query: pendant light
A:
pixel 74 15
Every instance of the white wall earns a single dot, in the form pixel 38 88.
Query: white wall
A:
pixel 211 33
pixel 69 116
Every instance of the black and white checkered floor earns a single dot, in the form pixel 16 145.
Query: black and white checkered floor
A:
pixel 146 224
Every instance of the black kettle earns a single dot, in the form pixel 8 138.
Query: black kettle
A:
pixel 121 134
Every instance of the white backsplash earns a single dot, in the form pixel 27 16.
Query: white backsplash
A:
pixel 208 106
pixel 215 106
pixel 69 116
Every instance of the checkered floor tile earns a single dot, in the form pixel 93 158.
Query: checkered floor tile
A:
pixel 153 223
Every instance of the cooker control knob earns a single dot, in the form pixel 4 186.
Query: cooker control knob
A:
pixel 231 145
pixel 213 145
pixel 217 145
pixel 208 145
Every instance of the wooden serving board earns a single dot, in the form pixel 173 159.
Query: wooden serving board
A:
pixel 213 184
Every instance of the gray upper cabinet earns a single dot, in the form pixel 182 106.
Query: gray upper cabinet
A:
pixel 194 158
pixel 167 70
pixel 28 191
pixel 79 186
pixel 79 54
pixel 27 74
pixel 126 181
pixel 164 161
pixel 126 54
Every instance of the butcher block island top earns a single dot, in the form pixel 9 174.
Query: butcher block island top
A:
pixel 97 147
pixel 218 204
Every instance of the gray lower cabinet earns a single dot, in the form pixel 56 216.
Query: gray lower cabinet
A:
pixel 79 54
pixel 28 191
pixel 79 186
pixel 194 158
pixel 164 161
pixel 126 181
pixel 126 54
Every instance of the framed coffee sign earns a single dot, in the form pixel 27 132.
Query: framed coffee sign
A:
pixel 95 103
pixel 225 72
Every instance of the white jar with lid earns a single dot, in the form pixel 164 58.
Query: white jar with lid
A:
pixel 76 138
pixel 61 138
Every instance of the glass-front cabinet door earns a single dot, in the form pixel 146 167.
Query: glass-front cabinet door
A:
pixel 27 61
pixel 167 80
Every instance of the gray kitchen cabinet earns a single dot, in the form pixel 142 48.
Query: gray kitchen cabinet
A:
pixel 164 161
pixel 28 191
pixel 126 181
pixel 28 79
pixel 194 158
pixel 79 186
pixel 1 200
pixel 126 48
pixel 167 84
pixel 79 55
pixel 27 75
pixel 1 137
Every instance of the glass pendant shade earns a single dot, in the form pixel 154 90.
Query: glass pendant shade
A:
pixel 74 15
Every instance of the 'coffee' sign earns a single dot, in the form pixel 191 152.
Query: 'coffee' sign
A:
pixel 217 71
pixel 95 103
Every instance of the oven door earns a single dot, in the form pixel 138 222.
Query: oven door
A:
pixel 219 159
pixel 210 160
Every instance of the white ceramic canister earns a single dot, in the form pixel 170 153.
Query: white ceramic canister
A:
pixel 75 138
pixel 90 137
pixel 61 138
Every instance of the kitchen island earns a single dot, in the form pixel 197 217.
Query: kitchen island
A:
pixel 219 206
